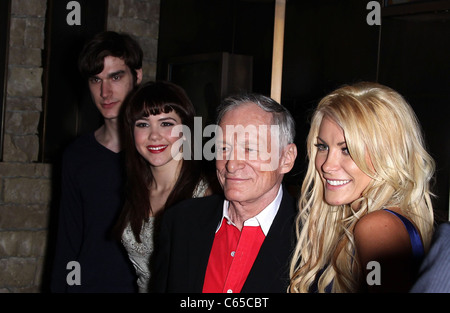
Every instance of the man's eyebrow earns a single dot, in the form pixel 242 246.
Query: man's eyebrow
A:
pixel 116 73
pixel 110 75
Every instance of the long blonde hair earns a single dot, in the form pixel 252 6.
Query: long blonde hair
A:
pixel 379 122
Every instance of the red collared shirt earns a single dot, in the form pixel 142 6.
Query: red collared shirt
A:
pixel 234 252
pixel 232 256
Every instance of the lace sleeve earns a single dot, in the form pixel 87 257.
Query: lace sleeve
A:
pixel 200 189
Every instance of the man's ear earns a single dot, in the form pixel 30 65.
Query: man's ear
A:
pixel 288 158
pixel 138 76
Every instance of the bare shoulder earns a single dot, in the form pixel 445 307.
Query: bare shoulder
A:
pixel 380 233
pixel 380 221
pixel 381 236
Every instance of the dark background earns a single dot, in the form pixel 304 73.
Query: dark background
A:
pixel 327 44
pixel 68 108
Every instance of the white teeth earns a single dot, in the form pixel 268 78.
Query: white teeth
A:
pixel 337 182
pixel 156 148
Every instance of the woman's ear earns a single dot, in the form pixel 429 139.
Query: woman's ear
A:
pixel 288 158
pixel 138 76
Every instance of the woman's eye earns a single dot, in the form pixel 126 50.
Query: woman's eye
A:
pixel 345 151
pixel 141 124
pixel 166 124
pixel 321 147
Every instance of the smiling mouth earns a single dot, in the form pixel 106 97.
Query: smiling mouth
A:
pixel 337 182
pixel 157 149
pixel 235 179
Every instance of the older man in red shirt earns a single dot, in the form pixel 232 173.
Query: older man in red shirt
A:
pixel 241 242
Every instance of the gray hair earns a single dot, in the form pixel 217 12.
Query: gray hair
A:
pixel 280 115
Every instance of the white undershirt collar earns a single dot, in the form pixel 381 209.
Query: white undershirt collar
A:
pixel 264 219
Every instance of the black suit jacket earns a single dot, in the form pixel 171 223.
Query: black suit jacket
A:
pixel 185 241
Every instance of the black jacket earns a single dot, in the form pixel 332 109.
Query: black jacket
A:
pixel 186 238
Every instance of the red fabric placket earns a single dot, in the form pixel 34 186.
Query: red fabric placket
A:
pixel 232 256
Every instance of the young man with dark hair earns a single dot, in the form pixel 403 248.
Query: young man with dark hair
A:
pixel 88 258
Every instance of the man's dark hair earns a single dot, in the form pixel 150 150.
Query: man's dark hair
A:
pixel 110 43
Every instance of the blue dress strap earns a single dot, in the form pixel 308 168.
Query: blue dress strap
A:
pixel 416 243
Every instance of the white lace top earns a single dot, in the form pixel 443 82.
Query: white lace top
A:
pixel 140 253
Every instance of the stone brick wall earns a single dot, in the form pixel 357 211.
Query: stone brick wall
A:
pixel 25 185
pixel 24 208
pixel 24 89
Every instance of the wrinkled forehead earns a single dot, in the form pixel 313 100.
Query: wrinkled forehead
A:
pixel 248 135
pixel 246 122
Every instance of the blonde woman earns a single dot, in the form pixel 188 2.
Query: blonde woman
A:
pixel 366 217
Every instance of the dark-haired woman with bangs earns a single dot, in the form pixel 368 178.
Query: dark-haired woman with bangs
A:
pixel 158 175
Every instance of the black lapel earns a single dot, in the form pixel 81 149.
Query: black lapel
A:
pixel 201 241
pixel 269 272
